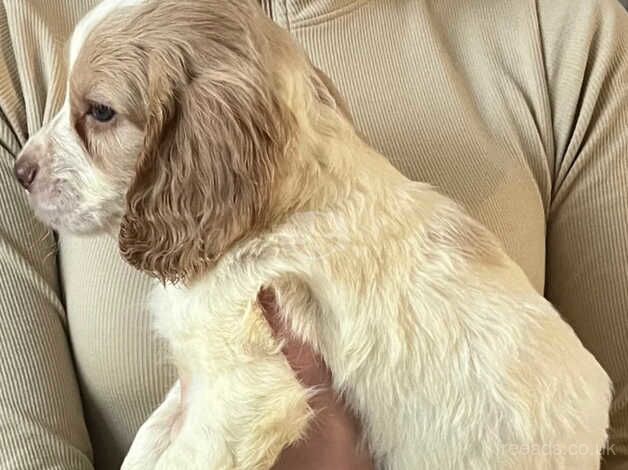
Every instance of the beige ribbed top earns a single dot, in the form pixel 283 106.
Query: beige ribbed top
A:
pixel 518 109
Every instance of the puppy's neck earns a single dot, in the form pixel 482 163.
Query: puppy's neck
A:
pixel 330 161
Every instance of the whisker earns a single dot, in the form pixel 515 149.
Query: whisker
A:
pixel 41 243
pixel 43 238
pixel 53 252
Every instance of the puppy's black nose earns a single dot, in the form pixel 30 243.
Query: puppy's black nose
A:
pixel 26 171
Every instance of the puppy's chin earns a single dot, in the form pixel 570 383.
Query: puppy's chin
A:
pixel 75 224
pixel 68 218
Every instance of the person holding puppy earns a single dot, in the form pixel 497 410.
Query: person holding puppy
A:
pixel 517 111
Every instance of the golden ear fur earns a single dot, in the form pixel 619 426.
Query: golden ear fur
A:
pixel 215 134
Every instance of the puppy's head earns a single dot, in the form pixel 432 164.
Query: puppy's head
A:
pixel 171 134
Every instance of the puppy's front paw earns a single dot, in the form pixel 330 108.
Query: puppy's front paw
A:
pixel 196 452
pixel 156 434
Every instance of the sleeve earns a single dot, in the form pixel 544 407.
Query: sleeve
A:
pixel 41 419
pixel 586 52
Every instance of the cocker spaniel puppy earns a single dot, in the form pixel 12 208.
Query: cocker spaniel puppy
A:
pixel 198 133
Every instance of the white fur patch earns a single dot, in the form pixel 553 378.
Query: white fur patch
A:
pixel 91 20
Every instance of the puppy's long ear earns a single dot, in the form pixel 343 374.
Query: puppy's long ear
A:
pixel 215 135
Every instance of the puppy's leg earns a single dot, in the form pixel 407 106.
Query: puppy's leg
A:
pixel 243 403
pixel 155 435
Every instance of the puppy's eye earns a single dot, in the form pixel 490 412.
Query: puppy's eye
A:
pixel 101 112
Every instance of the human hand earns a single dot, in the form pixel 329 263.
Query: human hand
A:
pixel 333 438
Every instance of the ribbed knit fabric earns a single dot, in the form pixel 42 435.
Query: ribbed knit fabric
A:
pixel 517 109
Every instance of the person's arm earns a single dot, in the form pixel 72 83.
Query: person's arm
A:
pixel 41 419
pixel 586 52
